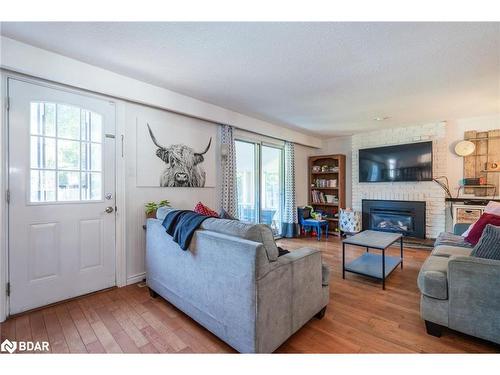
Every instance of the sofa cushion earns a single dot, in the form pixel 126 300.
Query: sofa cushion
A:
pixel 205 210
pixel 477 230
pixel 254 232
pixel 432 279
pixel 446 238
pixel 448 251
pixel 488 246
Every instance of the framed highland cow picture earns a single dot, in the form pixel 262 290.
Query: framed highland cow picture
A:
pixel 175 151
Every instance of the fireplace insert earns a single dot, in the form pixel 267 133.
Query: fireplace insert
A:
pixel 405 217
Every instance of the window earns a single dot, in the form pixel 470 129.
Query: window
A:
pixel 271 190
pixel 259 175
pixel 66 153
pixel 246 161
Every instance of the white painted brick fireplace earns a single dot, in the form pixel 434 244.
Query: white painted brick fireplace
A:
pixel 427 191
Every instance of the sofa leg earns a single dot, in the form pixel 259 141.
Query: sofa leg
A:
pixel 321 313
pixel 152 293
pixel 433 329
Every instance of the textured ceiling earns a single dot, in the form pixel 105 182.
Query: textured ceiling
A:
pixel 322 78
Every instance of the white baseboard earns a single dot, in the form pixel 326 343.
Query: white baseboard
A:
pixel 136 278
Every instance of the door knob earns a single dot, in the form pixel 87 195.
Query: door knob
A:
pixel 109 209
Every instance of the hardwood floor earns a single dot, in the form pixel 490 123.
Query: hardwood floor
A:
pixel 361 318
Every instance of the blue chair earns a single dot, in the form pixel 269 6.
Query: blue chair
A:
pixel 306 222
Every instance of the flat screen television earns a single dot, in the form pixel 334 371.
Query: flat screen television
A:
pixel 409 162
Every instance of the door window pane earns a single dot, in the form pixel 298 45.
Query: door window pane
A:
pixel 43 119
pixel 68 122
pixel 271 188
pixel 68 186
pixel 91 186
pixel 246 180
pixel 43 186
pixel 43 152
pixel 68 154
pixel 96 127
pixel 91 157
pixel 65 153
pixel 91 126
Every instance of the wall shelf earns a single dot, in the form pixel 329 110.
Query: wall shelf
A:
pixel 479 186
pixel 325 204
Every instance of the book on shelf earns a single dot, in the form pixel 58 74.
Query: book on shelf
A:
pixel 325 183
pixel 320 197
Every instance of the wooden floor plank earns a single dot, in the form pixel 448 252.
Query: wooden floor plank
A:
pixel 8 330
pixel 82 325
pixel 38 330
pixel 360 318
pixel 95 347
pixel 54 331
pixel 70 332
pixel 106 338
pixel 23 329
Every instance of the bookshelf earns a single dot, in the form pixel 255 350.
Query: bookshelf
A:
pixel 325 194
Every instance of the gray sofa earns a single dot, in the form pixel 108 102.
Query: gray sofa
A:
pixel 232 282
pixel 460 291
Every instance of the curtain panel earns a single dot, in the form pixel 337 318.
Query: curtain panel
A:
pixel 289 226
pixel 228 197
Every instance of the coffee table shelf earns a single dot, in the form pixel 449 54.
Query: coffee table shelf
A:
pixel 370 264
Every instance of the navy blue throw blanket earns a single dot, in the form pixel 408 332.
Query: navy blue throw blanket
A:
pixel 181 224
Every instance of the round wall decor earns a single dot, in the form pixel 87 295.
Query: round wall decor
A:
pixel 464 148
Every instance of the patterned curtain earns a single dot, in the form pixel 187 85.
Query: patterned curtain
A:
pixel 228 197
pixel 289 227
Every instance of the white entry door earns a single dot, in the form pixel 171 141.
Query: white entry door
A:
pixel 62 195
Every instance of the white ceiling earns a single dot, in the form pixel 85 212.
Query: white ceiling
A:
pixel 322 78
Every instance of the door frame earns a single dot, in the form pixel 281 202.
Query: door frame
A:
pixel 120 251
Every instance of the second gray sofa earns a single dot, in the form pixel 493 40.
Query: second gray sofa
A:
pixel 460 291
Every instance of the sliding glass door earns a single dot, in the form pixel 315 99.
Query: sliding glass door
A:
pixel 271 190
pixel 246 180
pixel 259 171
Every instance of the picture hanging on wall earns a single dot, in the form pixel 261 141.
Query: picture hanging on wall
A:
pixel 178 152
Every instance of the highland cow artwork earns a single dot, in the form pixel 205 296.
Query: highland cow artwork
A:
pixel 183 165
pixel 175 151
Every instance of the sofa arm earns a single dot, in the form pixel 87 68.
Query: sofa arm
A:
pixel 290 293
pixel 474 296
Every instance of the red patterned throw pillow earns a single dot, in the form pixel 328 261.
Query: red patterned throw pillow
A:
pixel 204 210
pixel 477 230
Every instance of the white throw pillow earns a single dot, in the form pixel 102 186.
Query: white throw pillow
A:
pixel 491 208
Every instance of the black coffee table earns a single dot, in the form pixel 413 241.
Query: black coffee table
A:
pixel 378 266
